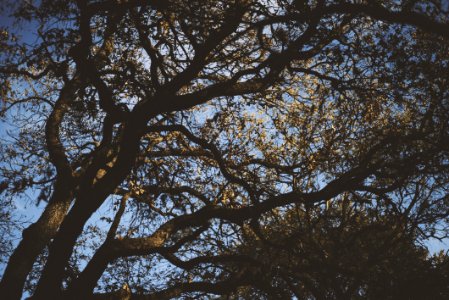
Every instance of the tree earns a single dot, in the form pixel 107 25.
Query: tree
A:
pixel 203 123
pixel 342 252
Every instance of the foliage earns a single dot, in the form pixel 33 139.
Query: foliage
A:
pixel 230 148
pixel 342 252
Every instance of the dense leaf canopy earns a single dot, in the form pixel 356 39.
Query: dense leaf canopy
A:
pixel 254 149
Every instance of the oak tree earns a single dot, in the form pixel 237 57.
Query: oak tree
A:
pixel 177 144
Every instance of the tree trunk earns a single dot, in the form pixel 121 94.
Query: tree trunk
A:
pixel 88 200
pixel 34 240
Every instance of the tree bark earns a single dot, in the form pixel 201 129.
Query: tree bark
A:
pixel 39 234
pixel 90 197
pixel 34 240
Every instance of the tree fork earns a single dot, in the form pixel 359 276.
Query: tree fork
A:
pixel 88 200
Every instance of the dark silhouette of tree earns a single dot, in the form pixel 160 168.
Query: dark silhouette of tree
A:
pixel 342 252
pixel 212 132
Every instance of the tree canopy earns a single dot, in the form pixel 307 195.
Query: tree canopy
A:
pixel 234 149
